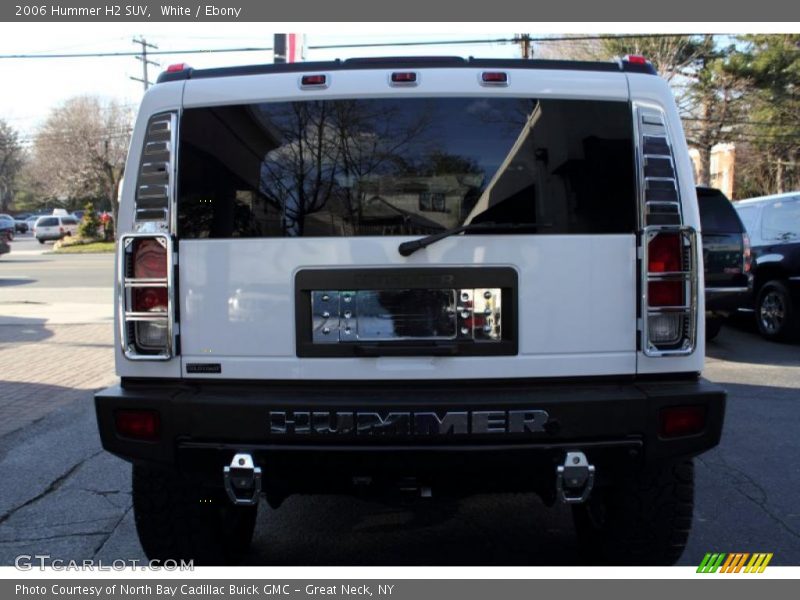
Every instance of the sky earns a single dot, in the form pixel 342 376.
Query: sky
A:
pixel 32 87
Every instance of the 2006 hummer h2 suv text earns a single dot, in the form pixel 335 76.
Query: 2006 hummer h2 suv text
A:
pixel 449 275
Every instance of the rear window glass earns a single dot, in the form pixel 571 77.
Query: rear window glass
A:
pixel 781 220
pixel 717 214
pixel 48 223
pixel 405 167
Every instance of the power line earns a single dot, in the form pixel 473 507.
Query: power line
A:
pixel 128 54
pixel 507 40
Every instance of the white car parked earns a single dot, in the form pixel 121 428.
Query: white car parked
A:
pixel 54 227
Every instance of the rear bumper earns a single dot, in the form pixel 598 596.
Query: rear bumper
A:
pixel 305 436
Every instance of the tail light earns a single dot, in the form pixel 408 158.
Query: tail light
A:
pixel 635 59
pixel 748 257
pixel 670 298
pixel 404 78
pixel 494 78
pixel 145 287
pixel 665 255
pixel 138 424
pixel 679 421
pixel 313 81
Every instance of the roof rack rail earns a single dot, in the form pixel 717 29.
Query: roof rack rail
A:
pixel 406 62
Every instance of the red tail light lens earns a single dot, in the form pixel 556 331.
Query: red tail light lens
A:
pixel 138 424
pixel 404 77
pixel 177 67
pixel 149 260
pixel 678 421
pixel 665 293
pixel 635 59
pixel 313 80
pixel 664 253
pixel 150 299
pixel 494 77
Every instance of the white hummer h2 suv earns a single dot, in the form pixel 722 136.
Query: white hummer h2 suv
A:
pixel 450 275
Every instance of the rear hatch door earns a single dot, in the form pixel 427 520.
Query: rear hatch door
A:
pixel 291 200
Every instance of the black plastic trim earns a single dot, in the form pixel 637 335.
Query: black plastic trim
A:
pixel 228 416
pixel 411 62
pixel 308 280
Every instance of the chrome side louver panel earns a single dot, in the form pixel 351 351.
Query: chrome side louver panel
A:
pixel 660 198
pixel 154 185
pixel 668 264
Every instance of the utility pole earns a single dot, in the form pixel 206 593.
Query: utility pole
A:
pixel 143 57
pixel 279 45
pixel 288 48
pixel 524 40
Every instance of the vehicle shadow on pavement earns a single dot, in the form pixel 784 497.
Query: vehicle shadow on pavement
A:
pixel 22 330
pixel 23 403
pixel 489 529
pixel 27 260
pixel 738 335
pixel 744 496
pixel 11 281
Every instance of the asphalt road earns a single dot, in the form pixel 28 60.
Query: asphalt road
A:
pixel 66 288
pixel 32 264
pixel 63 496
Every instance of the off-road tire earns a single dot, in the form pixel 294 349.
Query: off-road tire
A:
pixel 643 519
pixel 789 328
pixel 181 520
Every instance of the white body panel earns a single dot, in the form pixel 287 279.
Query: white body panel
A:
pixel 367 83
pixel 577 294
pixel 655 91
pixel 574 317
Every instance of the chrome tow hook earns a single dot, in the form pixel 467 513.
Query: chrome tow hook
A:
pixel 242 480
pixel 575 478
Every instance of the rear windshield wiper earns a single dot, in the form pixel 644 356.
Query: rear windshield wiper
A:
pixel 408 248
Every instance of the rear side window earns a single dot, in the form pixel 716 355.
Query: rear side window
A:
pixel 69 221
pixel 749 216
pixel 780 220
pixel 410 166
pixel 48 222
pixel 717 214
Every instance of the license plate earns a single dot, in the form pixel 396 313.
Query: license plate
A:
pixel 341 316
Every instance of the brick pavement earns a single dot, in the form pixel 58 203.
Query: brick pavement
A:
pixel 45 366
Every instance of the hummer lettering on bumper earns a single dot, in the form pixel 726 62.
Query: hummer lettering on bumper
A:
pixel 407 423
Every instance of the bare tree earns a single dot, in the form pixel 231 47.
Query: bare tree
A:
pixel 11 160
pixel 325 141
pixel 80 150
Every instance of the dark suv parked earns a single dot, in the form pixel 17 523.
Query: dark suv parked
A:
pixel 773 223
pixel 726 255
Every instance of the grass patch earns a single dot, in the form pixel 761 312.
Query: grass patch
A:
pixel 93 248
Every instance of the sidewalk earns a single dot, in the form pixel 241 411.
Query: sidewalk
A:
pixel 44 366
